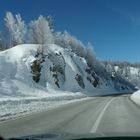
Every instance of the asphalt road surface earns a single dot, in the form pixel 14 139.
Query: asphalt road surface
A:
pixel 110 115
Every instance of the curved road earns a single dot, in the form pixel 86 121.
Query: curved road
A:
pixel 111 115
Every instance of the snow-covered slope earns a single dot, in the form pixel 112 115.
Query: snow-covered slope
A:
pixel 16 77
pixel 130 73
pixel 24 72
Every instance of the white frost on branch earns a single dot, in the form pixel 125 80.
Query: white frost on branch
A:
pixel 16 29
pixel 40 32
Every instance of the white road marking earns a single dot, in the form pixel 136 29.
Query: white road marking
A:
pixel 97 122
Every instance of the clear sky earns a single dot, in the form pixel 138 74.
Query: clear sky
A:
pixel 113 26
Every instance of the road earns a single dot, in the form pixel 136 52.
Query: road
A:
pixel 111 115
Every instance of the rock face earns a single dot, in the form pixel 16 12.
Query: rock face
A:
pixel 63 69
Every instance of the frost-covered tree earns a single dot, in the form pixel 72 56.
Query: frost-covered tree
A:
pixel 126 71
pixel 77 46
pixel 96 65
pixel 50 22
pixel 90 56
pixel 20 30
pixel 109 68
pixel 65 40
pixel 1 45
pixel 39 32
pixel 15 28
pixel 10 26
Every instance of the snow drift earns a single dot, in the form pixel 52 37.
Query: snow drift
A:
pixel 136 97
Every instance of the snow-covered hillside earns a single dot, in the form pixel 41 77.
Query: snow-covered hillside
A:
pixel 126 70
pixel 30 77
pixel 23 74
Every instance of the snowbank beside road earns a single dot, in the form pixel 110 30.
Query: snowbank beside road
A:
pixel 15 107
pixel 136 97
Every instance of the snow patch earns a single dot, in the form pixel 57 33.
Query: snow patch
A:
pixel 136 97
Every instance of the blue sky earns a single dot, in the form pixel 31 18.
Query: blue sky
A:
pixel 113 26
